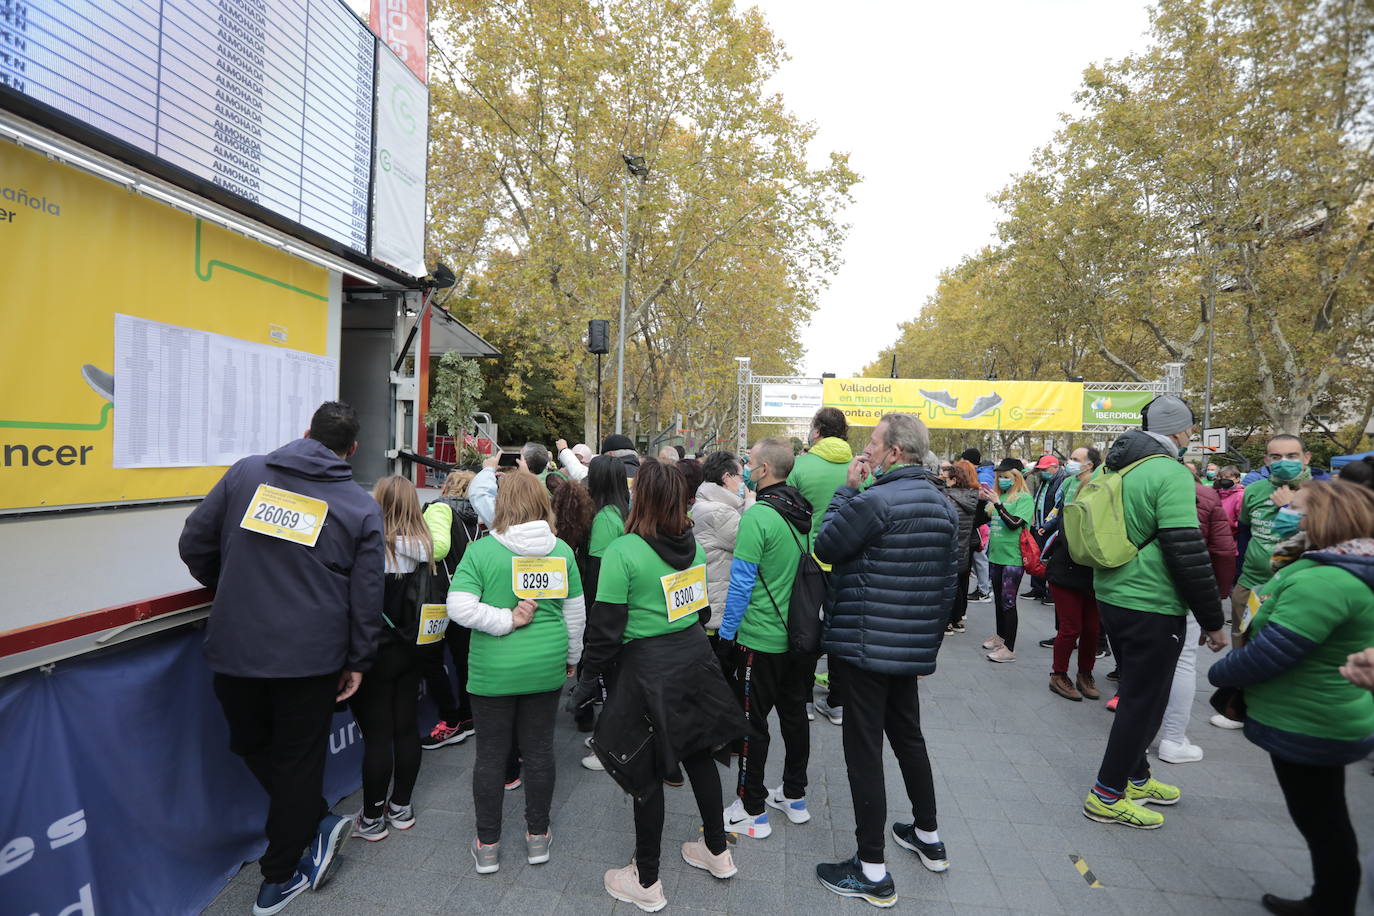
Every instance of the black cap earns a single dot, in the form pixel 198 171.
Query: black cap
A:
pixel 615 442
pixel 972 456
pixel 1010 464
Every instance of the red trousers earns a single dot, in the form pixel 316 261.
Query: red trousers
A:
pixel 1079 625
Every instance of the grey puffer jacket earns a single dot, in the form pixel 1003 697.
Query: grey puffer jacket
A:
pixel 715 524
pixel 894 551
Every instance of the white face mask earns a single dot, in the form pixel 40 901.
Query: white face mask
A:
pixel 1074 467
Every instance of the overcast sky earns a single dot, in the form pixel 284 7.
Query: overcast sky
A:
pixel 937 104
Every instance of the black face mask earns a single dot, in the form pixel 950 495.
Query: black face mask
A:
pixel 1224 483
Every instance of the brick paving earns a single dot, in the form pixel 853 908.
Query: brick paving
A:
pixel 1012 763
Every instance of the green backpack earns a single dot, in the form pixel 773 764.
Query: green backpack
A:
pixel 1095 522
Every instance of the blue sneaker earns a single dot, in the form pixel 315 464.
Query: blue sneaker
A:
pixel 320 858
pixel 273 898
pixel 932 855
pixel 847 879
pixel 794 808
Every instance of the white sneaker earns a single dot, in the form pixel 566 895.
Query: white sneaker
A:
pixel 741 822
pixel 794 808
pixel 1174 752
pixel 811 712
pixel 1221 721
pixel 591 763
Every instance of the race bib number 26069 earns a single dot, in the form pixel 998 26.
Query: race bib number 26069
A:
pixel 282 514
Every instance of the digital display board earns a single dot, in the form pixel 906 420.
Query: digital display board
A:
pixel 270 100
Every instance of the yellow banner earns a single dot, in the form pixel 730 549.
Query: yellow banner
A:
pixel 960 403
pixel 77 250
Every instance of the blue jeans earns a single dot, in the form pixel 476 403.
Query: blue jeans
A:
pixel 980 569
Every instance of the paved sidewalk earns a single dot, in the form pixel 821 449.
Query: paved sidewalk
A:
pixel 1012 764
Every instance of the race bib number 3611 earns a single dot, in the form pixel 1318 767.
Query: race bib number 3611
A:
pixel 539 577
pixel 282 514
pixel 684 592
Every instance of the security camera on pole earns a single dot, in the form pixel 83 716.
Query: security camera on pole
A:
pixel 637 169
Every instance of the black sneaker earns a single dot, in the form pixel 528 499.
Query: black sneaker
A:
pixel 1047 643
pixel 1103 651
pixel 1031 594
pixel 1114 674
pixel 847 879
pixel 932 855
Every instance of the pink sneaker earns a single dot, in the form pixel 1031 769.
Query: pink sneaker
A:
pixel 623 884
pixel 1001 654
pixel 696 854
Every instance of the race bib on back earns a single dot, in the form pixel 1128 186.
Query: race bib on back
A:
pixel 539 577
pixel 288 516
pixel 684 592
pixel 433 623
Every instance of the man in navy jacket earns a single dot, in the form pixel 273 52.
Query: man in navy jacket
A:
pixel 292 548
pixel 894 550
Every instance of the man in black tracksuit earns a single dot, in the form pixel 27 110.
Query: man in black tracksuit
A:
pixel 292 548
pixel 894 548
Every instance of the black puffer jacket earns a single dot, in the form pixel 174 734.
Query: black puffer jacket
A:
pixel 966 504
pixel 894 550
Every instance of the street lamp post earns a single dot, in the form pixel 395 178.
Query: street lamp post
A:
pixel 637 169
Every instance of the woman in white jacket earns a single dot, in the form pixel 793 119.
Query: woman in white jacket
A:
pixel 715 523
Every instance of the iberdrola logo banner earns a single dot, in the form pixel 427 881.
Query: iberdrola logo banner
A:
pixel 961 403
pixel 1114 408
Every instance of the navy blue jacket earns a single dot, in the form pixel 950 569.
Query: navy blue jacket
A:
pixel 894 548
pixel 282 609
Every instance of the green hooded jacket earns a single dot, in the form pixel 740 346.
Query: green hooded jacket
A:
pixel 818 474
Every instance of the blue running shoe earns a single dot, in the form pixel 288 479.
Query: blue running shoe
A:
pixel 847 879
pixel 273 898
pixel 933 855
pixel 320 858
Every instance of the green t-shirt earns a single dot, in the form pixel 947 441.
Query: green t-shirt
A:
pixel 606 527
pixel 1004 544
pixel 1334 609
pixel 633 574
pixel 1155 494
pixel 769 540
pixel 531 659
pixel 1258 511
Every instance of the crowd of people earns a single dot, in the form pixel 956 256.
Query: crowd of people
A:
pixel 673 605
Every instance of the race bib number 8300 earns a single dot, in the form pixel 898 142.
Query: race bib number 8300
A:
pixel 282 514
pixel 539 577
pixel 684 592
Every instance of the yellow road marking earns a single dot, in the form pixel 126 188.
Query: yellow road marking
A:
pixel 1083 870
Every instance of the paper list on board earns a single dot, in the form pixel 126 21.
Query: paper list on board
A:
pixel 187 398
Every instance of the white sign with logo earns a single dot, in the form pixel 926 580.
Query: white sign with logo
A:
pixel 398 174
pixel 790 400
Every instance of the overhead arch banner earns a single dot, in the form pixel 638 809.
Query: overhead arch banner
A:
pixel 961 403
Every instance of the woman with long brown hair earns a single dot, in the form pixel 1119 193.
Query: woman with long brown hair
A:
pixel 961 486
pixel 1301 626
pixel 387 703
pixel 668 703
pixel 520 592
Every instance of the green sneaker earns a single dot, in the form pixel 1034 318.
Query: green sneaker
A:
pixel 1121 811
pixel 1153 792
pixel 823 679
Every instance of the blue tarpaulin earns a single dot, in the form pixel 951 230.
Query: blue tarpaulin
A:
pixel 1342 460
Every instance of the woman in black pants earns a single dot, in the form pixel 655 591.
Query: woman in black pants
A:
pixel 387 703
pixel 1313 614
pixel 668 703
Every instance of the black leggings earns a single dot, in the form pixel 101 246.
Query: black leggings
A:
pixel 387 709
pixel 960 607
pixel 504 723
pixel 452 709
pixel 705 778
pixel 1316 802
pixel 1005 581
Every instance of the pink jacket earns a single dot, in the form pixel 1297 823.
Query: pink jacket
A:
pixel 1230 504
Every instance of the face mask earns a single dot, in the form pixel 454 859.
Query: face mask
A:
pixel 1225 483
pixel 1211 475
pixel 1287 522
pixel 1182 450
pixel 1285 470
pixel 1074 467
pixel 741 490
pixel 1003 484
pixel 749 480
pixel 1047 475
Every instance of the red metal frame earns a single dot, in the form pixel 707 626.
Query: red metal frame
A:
pixel 56 631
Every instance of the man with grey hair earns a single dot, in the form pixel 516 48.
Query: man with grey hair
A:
pixel 535 459
pixel 754 642
pixel 894 548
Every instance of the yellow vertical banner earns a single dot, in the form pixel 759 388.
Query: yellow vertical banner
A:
pixel 960 403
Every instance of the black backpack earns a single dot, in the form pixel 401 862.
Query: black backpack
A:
pixel 458 544
pixel 805 609
pixel 404 601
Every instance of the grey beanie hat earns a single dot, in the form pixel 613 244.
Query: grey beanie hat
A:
pixel 1166 415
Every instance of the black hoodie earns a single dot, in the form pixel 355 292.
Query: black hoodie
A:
pixel 790 504
pixel 282 609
